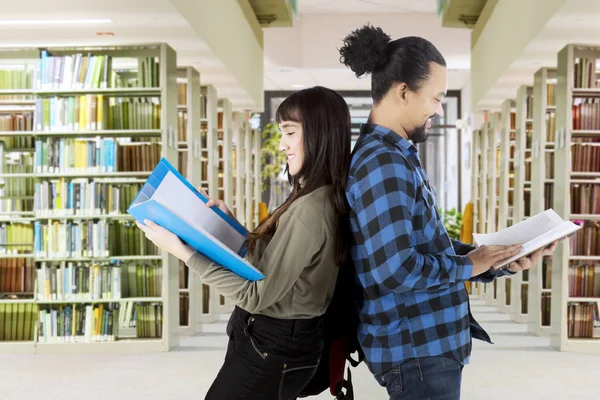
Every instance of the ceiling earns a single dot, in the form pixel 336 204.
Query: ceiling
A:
pixel 133 21
pixel 307 54
pixel 575 22
pixel 366 6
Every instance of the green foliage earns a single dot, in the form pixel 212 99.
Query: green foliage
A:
pixel 273 160
pixel 452 221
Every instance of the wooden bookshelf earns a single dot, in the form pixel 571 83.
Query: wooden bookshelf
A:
pixel 257 174
pixel 542 170
pixel 522 192
pixel 225 162
pixel 190 155
pixel 210 180
pixel 576 261
pixel 506 203
pixel 152 83
pixel 492 130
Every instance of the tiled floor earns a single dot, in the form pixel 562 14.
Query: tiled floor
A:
pixel 518 366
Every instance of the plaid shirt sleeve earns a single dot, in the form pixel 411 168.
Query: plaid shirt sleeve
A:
pixel 384 194
pixel 462 249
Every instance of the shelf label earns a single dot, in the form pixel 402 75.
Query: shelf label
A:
pixel 561 138
pixel 536 149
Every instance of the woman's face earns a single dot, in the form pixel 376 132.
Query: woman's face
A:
pixel 292 144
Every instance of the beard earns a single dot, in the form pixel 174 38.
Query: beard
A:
pixel 419 134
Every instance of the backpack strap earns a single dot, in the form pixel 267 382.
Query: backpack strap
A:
pixel 349 389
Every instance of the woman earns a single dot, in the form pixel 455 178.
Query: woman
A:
pixel 275 330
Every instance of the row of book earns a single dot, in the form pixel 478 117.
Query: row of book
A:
pixel 549 165
pixel 78 71
pixel 182 93
pixel 584 280
pixel 96 112
pixel 15 238
pixel 586 114
pixel 69 281
pixel 17 275
pixel 17 321
pixel 80 197
pixel 546 309
pixel 551 94
pixel 89 239
pixel 60 155
pixel 584 73
pixel 586 241
pixel 548 195
pixel 78 324
pixel 585 198
pixel 184 309
pixel 550 126
pixel 547 273
pixel 529 107
pixel 583 320
pixel 182 121
pixel 585 155
pixel 524 298
pixel 17 78
pixel 17 123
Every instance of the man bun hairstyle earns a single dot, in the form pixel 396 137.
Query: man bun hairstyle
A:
pixel 368 50
pixel 365 50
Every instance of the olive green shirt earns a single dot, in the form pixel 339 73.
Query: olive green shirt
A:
pixel 298 264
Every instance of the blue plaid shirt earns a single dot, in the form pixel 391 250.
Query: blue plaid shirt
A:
pixel 415 302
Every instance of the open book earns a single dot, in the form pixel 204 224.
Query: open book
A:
pixel 170 201
pixel 533 233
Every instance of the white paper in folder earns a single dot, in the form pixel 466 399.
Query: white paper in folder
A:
pixel 533 233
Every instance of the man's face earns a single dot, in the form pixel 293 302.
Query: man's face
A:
pixel 426 103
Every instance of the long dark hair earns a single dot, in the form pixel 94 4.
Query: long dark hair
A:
pixel 368 50
pixel 325 120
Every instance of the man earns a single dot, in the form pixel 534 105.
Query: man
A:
pixel 416 324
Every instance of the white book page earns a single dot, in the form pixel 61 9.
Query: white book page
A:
pixel 560 232
pixel 175 196
pixel 522 232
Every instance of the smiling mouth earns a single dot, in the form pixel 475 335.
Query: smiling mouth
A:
pixel 291 157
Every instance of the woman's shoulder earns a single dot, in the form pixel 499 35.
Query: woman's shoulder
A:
pixel 315 210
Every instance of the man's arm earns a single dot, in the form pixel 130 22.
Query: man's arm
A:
pixel 383 197
pixel 462 249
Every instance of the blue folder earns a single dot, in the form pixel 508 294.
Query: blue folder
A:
pixel 144 207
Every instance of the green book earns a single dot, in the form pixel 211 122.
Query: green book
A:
pixel 2 314
pixel 21 318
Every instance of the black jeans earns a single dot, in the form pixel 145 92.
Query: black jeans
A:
pixel 267 358
pixel 430 378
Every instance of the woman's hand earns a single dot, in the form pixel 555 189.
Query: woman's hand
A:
pixel 166 240
pixel 220 204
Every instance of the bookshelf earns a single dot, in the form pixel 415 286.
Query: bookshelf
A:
pixel 483 145
pixel 522 192
pixel 69 141
pixel 476 287
pixel 506 204
pixel 542 174
pixel 190 165
pixel 492 130
pixel 576 261
pixel 257 174
pixel 210 158
pixel 225 171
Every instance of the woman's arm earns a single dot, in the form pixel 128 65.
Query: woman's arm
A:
pixel 292 248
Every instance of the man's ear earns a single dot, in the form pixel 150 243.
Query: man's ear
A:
pixel 401 93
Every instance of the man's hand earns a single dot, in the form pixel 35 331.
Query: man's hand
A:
pixel 526 262
pixel 485 257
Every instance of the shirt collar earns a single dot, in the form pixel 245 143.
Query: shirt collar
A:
pixel 389 136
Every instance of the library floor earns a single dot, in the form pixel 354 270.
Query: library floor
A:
pixel 518 366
